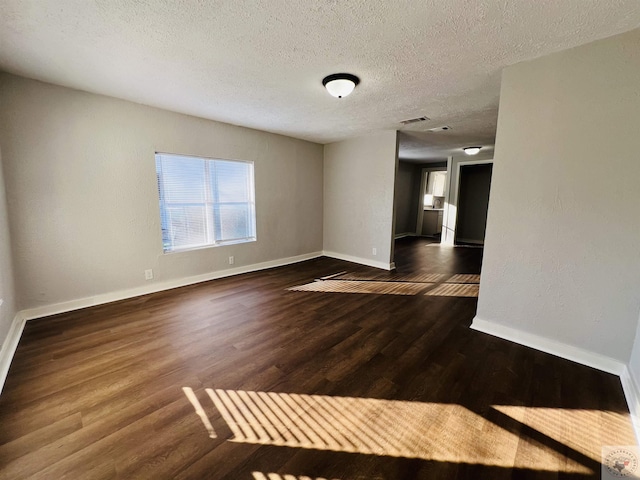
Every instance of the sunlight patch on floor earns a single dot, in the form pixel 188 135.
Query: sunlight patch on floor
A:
pixel 545 439
pixel 355 286
pixel 454 290
pixel 393 283
pixel 200 411
pixel 395 277
pixel 584 431
pixel 465 278
pixel 275 476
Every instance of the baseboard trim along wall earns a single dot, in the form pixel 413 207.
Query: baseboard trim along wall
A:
pixel 472 241
pixel 360 260
pixel 569 352
pixel 63 307
pixel 9 346
pixel 402 235
pixel 575 354
pixel 559 349
pixel 632 394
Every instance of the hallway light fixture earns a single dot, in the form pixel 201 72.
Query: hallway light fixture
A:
pixel 340 84
pixel 471 150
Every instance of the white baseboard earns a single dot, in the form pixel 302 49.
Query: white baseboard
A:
pixel 473 241
pixel 632 394
pixel 9 347
pixel 554 347
pixel 77 304
pixel 360 260
pixel 405 234
pixel 15 332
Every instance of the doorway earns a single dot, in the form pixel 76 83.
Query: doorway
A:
pixel 473 203
pixel 431 202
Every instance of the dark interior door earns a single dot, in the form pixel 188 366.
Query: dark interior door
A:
pixel 473 203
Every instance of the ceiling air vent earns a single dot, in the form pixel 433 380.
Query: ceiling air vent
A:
pixel 444 128
pixel 414 120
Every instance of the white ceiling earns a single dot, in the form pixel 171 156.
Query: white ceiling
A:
pixel 260 63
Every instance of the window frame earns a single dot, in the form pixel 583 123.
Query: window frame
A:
pixel 210 204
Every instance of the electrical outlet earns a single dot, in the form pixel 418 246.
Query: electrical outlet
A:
pixel 231 260
pixel 374 250
pixel 148 274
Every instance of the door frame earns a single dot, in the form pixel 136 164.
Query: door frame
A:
pixel 423 186
pixel 456 190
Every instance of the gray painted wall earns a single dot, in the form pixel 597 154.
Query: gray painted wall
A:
pixel 634 368
pixel 406 197
pixel 561 256
pixel 359 177
pixel 82 193
pixel 7 292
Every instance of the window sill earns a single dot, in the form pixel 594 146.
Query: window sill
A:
pixel 204 247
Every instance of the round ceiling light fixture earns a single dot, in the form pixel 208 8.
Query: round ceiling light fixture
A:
pixel 472 150
pixel 340 84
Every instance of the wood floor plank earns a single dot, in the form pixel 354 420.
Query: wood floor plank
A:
pixel 38 439
pixel 98 393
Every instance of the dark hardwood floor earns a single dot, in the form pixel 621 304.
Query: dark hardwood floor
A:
pixel 349 386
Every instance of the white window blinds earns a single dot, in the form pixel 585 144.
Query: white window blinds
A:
pixel 205 202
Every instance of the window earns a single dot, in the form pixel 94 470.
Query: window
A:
pixel 205 202
pixel 434 188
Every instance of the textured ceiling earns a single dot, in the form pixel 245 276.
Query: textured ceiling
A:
pixel 260 63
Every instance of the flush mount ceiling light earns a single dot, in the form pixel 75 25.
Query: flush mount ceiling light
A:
pixel 340 84
pixel 472 150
